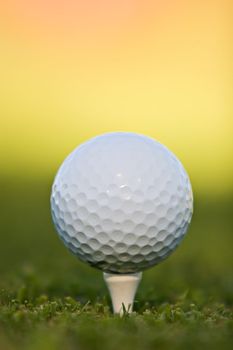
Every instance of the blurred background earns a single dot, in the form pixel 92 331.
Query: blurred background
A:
pixel 71 70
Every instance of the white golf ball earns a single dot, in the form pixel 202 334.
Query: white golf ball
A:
pixel 121 202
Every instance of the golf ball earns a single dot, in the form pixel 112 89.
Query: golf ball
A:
pixel 121 202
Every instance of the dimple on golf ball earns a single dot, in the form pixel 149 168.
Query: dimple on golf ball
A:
pixel 121 202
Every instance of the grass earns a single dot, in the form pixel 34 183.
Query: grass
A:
pixel 49 300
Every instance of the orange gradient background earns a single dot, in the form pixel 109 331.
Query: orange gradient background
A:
pixel 73 69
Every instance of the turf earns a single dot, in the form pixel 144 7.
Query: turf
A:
pixel 49 300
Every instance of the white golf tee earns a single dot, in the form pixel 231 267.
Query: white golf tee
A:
pixel 122 289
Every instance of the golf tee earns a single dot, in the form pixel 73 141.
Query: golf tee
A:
pixel 122 289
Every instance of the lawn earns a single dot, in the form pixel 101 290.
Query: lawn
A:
pixel 49 300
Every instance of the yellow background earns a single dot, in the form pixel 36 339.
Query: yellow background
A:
pixel 73 69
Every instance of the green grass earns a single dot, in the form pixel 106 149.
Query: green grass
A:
pixel 49 300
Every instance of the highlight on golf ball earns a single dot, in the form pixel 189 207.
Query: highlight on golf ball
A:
pixel 121 202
